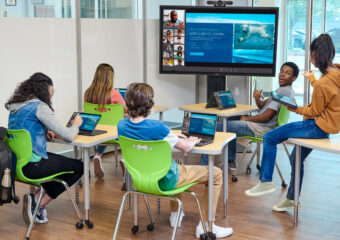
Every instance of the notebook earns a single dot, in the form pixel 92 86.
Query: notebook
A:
pixel 122 92
pixel 90 122
pixel 200 125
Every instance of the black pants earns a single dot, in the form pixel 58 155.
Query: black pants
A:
pixel 54 164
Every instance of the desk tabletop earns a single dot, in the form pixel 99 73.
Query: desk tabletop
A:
pixel 215 148
pixel 89 141
pixel 157 109
pixel 240 109
pixel 331 144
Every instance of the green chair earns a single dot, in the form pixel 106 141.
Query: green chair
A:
pixel 111 115
pixel 19 141
pixel 283 118
pixel 148 162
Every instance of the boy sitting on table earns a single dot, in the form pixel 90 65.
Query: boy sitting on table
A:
pixel 267 117
pixel 139 102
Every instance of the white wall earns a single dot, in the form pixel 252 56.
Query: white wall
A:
pixel 31 45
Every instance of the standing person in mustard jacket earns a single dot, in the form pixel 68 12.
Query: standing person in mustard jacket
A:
pixel 321 118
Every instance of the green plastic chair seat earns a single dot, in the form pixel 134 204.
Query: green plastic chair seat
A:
pixel 19 141
pixel 148 162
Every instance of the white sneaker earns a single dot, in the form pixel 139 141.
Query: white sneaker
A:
pixel 98 169
pixel 173 219
pixel 260 189
pixel 220 232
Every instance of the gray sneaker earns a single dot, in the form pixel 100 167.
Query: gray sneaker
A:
pixel 260 189
pixel 41 216
pixel 285 205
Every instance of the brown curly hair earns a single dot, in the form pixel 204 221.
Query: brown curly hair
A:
pixel 34 87
pixel 139 99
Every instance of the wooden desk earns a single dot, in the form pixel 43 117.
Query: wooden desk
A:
pixel 160 110
pixel 331 145
pixel 85 142
pixel 219 146
pixel 240 109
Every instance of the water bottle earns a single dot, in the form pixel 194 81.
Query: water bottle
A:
pixel 5 188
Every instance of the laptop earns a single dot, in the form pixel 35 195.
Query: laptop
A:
pixel 200 125
pixel 122 92
pixel 225 99
pixel 90 122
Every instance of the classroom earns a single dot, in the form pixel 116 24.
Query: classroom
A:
pixel 181 119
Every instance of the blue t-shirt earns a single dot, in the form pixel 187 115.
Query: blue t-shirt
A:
pixel 149 130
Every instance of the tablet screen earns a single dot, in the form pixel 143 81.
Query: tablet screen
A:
pixel 284 99
pixel 227 99
pixel 90 121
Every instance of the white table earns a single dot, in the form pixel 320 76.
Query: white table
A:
pixel 331 145
pixel 85 142
pixel 219 146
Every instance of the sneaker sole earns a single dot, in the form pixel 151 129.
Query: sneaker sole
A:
pixel 98 171
pixel 250 194
pixel 27 213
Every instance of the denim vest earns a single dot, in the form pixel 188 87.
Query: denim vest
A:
pixel 26 118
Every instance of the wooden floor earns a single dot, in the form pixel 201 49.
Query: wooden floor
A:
pixel 250 218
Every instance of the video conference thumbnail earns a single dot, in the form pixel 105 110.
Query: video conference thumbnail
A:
pixel 173 37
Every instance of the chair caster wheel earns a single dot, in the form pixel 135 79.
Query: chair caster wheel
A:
pixel 234 179
pixel 134 229
pixel 150 227
pixel 258 167
pixel 248 171
pixel 203 236
pixel 79 225
pixel 89 224
pixel 124 188
pixel 211 236
pixel 284 185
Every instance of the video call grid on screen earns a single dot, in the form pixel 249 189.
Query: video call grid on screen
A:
pixel 235 41
pixel 202 124
pixel 89 121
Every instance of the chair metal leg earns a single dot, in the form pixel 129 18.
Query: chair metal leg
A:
pixel 283 184
pixel 200 211
pixel 179 211
pixel 158 205
pixel 79 183
pixel 116 155
pixel 286 149
pixel 149 209
pixel 135 210
pixel 75 205
pixel 238 165
pixel 35 213
pixel 121 210
pixel 129 188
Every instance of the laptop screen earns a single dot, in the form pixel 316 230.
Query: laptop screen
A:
pixel 202 123
pixel 122 92
pixel 90 121
pixel 227 98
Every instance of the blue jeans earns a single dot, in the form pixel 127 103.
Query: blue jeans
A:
pixel 100 149
pixel 235 126
pixel 303 129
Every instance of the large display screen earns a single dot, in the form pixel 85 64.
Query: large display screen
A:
pixel 220 41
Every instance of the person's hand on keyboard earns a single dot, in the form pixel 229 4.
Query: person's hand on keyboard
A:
pixel 180 135
pixel 194 140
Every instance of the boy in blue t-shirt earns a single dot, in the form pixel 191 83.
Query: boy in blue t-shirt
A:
pixel 139 102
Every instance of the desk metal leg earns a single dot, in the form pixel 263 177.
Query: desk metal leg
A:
pixel 224 124
pixel 225 180
pixel 297 183
pixel 161 116
pixel 77 185
pixel 86 161
pixel 210 189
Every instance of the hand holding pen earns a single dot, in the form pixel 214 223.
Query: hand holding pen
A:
pixel 257 94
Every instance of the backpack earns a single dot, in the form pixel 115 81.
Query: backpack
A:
pixel 7 160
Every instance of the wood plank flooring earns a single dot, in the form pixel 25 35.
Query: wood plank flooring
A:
pixel 250 218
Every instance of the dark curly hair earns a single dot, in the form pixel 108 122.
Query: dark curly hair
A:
pixel 322 50
pixel 139 99
pixel 34 87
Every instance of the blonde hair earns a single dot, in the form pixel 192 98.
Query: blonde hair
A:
pixel 100 90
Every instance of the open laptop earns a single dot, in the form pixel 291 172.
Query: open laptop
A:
pixel 200 125
pixel 90 122
pixel 122 92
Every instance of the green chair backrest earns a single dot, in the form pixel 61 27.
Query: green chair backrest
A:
pixel 19 141
pixel 147 162
pixel 111 113
pixel 283 116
